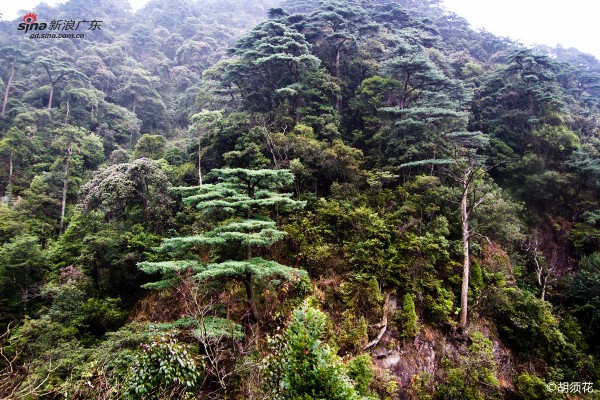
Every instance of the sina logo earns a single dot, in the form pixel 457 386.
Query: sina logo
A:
pixel 29 24
pixel 30 18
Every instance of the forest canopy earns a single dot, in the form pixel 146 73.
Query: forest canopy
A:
pixel 316 199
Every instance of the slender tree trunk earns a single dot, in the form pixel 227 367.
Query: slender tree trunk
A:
pixel 25 290
pixel 7 89
pixel 50 98
pixel 542 276
pixel 541 272
pixel 67 113
pixel 337 63
pixel 338 100
pixel 248 279
pixel 250 296
pixel 8 191
pixel 297 105
pixel 199 161
pixel 464 214
pixel 543 284
pixel 64 191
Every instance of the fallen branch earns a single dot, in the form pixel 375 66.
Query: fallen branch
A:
pixel 382 325
pixel 408 225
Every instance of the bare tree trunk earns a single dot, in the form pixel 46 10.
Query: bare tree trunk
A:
pixel 250 296
pixel 382 326
pixel 337 63
pixel 67 113
pixel 338 100
pixel 297 105
pixel 543 285
pixel 541 272
pixel 199 161
pixel 64 191
pixel 50 98
pixel 464 293
pixel 7 89
pixel 10 172
pixel 542 267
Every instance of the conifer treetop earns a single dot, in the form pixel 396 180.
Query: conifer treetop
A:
pixel 240 189
pixel 249 232
pixel 257 267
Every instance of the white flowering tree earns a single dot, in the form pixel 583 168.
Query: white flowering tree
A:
pixel 128 188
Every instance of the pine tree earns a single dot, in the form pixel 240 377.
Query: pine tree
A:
pixel 409 317
pixel 12 57
pixel 272 69
pixel 243 196
pixel 335 29
pixel 58 71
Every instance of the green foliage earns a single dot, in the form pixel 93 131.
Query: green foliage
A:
pixel 474 375
pixel 353 98
pixel 360 370
pixel 362 295
pixel 316 163
pixel 358 238
pixel 255 233
pixel 421 386
pixel 302 366
pixel 256 267
pixel 583 293
pixel 242 190
pixel 439 306
pixel 476 281
pixel 181 323
pixel 527 324
pixel 130 191
pixel 13 222
pixel 408 319
pixel 150 146
pixel 22 269
pixel 164 368
pixel 531 387
pixel 272 68
pixel 60 342
pixel 220 328
pixel 586 235
pixel 353 335
pixel 244 193
pixel 78 312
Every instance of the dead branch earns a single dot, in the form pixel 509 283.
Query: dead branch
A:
pixel 382 325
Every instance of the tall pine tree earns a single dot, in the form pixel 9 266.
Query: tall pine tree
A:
pixel 244 198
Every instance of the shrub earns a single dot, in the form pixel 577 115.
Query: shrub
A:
pixel 473 377
pixel 163 369
pixel 527 323
pixel 353 335
pixel 302 366
pixel 408 318
pixel 360 370
pixel 530 387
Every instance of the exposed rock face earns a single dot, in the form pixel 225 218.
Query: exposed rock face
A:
pixel 405 358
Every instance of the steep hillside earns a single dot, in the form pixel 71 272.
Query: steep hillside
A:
pixel 336 199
